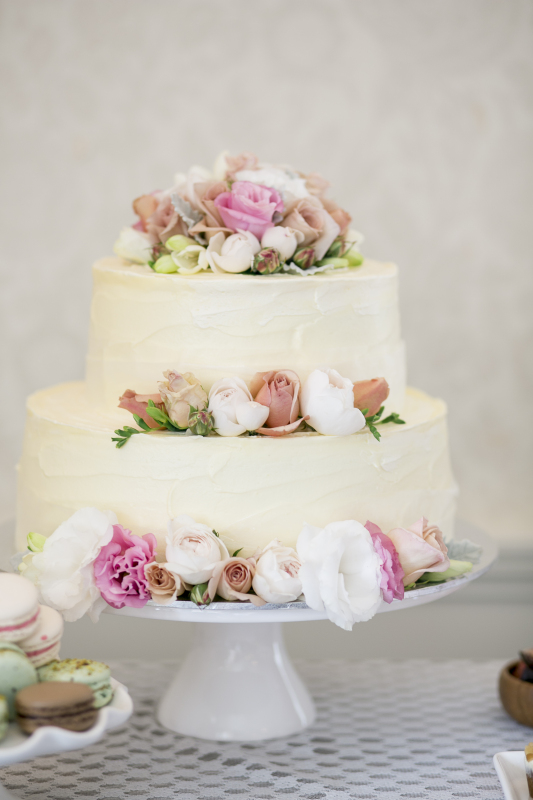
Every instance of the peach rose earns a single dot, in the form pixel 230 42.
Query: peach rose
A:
pixel 165 221
pixel 232 580
pixel 341 217
pixel 318 228
pixel 201 195
pixel 279 391
pixel 370 395
pixel 138 403
pixel 162 584
pixel 238 163
pixel 316 184
pixel 421 549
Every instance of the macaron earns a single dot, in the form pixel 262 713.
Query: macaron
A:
pixel 16 672
pixel 79 670
pixel 19 607
pixel 4 716
pixel 42 646
pixel 65 705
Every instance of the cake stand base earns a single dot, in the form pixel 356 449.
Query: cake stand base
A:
pixel 237 683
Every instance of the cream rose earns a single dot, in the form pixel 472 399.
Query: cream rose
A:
pixel 234 254
pixel 180 392
pixel 134 246
pixel 340 572
pixel 327 400
pixel 192 550
pixel 284 240
pixel 276 578
pixel 421 549
pixel 234 409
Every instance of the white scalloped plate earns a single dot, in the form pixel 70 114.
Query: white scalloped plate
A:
pixel 17 746
pixel 511 771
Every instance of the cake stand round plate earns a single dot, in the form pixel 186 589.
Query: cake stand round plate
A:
pixel 17 746
pixel 237 682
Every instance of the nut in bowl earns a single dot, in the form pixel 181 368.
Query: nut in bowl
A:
pixel 516 690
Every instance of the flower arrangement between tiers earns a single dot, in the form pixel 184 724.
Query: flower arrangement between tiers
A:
pixel 345 569
pixel 275 404
pixel 245 216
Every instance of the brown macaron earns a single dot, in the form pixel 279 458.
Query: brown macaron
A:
pixel 65 705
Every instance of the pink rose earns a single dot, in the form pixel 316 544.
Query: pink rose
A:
pixel 138 403
pixel 249 207
pixel 421 549
pixel 232 580
pixel 279 391
pixel 119 568
pixel 392 573
pixel 370 394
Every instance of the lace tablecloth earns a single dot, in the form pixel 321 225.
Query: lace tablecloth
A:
pixel 407 730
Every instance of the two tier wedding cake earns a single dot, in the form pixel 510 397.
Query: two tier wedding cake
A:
pixel 258 355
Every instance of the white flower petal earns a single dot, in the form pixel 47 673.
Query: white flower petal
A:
pixel 252 415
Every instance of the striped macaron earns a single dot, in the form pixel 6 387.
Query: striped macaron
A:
pixel 19 607
pixel 42 646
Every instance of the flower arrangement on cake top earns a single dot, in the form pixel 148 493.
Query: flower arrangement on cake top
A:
pixel 245 216
pixel 345 569
pixel 275 404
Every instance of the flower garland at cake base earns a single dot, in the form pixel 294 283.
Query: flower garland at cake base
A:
pixel 345 569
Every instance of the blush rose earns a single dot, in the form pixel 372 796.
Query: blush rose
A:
pixel 119 568
pixel 249 207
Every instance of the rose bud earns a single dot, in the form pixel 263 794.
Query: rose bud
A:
pixel 267 261
pixel 200 595
pixel 336 249
pixel 179 242
pixel 165 265
pixel 304 257
pixel 370 395
pixel 201 423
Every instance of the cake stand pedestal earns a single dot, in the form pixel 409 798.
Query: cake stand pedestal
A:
pixel 237 683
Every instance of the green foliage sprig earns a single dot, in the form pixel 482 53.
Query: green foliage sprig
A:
pixel 375 419
pixel 157 414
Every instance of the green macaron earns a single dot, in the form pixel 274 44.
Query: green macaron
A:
pixel 4 716
pixel 80 670
pixel 16 672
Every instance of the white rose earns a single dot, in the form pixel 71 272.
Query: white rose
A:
pixel 327 398
pixel 233 408
pixel 276 578
pixel 285 240
pixel 63 572
pixel 134 246
pixel 284 181
pixel 192 550
pixel 252 415
pixel 340 572
pixel 234 254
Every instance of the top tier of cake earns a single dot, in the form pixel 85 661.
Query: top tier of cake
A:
pixel 215 326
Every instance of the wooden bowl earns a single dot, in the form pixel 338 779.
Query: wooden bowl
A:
pixel 516 696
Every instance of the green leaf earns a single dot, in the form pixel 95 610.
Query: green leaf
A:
pixel 373 430
pixel 216 534
pixel 236 553
pixel 378 414
pixel 394 417
pixel 158 415
pixel 140 421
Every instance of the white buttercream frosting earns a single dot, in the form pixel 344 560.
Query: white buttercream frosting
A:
pixel 221 325
pixel 251 489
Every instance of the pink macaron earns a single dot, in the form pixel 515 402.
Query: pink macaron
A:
pixel 42 646
pixel 19 607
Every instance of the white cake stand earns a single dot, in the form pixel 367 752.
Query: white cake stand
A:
pixel 17 747
pixel 237 682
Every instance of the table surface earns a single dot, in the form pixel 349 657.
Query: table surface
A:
pixel 415 729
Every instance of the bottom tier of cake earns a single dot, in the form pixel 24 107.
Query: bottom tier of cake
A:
pixel 251 489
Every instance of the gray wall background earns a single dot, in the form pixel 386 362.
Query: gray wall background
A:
pixel 419 113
